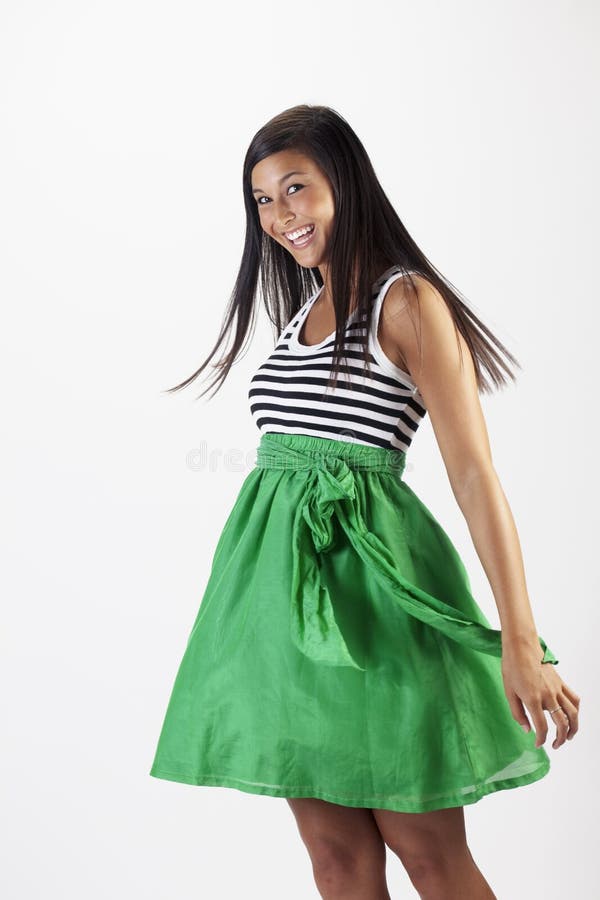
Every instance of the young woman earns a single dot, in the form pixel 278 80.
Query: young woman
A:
pixel 338 658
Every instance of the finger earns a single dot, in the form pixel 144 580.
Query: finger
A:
pixel 518 712
pixel 571 702
pixel 540 723
pixel 572 713
pixel 560 717
pixel 573 697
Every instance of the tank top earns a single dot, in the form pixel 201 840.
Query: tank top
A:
pixel 289 394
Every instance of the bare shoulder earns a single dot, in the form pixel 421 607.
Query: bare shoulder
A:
pixel 421 327
pixel 415 318
pixel 402 298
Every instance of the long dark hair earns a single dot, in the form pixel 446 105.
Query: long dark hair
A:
pixel 367 234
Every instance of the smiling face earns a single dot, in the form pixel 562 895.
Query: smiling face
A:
pixel 292 193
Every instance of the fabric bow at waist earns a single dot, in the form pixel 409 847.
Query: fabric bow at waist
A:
pixel 331 490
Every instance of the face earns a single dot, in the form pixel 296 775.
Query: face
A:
pixel 292 192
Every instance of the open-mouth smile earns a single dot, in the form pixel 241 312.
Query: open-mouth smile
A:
pixel 300 237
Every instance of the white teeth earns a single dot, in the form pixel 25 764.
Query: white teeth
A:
pixel 293 235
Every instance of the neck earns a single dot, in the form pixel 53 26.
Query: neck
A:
pixel 326 297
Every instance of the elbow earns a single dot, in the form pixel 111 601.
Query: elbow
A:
pixel 471 480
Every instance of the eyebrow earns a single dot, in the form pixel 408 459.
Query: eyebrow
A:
pixel 283 177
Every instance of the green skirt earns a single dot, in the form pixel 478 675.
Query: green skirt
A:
pixel 338 652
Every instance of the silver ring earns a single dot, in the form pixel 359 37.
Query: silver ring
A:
pixel 554 710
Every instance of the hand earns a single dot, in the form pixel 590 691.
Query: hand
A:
pixel 537 686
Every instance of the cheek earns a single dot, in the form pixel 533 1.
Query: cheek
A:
pixel 327 218
pixel 325 211
pixel 266 223
pixel 263 221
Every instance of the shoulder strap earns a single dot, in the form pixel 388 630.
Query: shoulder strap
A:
pixel 376 348
pixel 383 283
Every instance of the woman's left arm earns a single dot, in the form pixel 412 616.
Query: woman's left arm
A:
pixel 424 338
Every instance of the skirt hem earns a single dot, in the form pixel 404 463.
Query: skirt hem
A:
pixel 248 787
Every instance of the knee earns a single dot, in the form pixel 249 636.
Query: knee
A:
pixel 336 865
pixel 427 869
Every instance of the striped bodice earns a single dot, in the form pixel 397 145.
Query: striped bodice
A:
pixel 289 394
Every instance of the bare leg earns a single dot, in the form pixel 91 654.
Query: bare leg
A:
pixel 346 849
pixel 432 847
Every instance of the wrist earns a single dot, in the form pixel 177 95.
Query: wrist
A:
pixel 526 643
pixel 520 640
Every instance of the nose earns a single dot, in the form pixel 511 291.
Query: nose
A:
pixel 283 215
pixel 287 225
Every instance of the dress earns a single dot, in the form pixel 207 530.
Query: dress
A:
pixel 338 652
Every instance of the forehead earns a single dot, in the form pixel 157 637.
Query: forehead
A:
pixel 270 169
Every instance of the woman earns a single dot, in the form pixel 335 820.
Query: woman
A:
pixel 338 658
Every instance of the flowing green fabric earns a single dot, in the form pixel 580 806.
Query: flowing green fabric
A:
pixel 338 651
pixel 331 488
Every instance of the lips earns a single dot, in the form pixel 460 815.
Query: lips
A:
pixel 297 233
pixel 300 237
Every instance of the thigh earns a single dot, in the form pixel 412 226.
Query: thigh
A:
pixel 440 832
pixel 326 826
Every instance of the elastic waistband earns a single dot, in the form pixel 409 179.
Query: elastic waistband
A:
pixel 299 451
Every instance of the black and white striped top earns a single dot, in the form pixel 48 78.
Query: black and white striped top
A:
pixel 289 391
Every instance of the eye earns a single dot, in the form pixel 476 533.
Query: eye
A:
pixel 260 199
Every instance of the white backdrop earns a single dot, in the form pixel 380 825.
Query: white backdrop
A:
pixel 123 126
